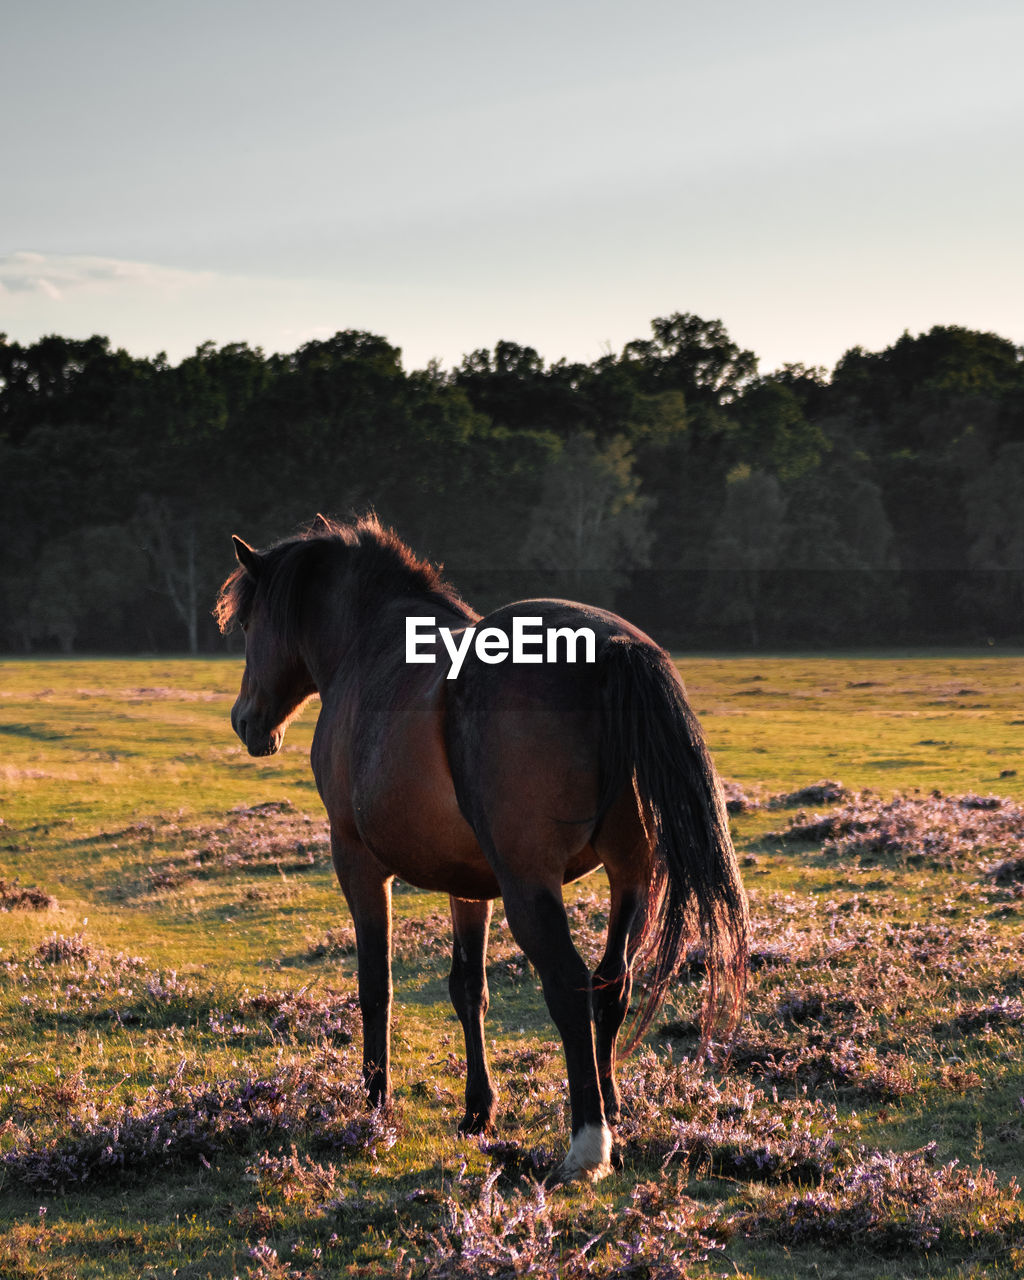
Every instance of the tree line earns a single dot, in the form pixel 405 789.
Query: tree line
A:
pixel 714 505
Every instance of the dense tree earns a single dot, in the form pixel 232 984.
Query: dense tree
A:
pixel 694 356
pixel 744 550
pixel 56 381
pixel 773 433
pixel 836 562
pixel 883 501
pixel 994 503
pixel 83 582
pixel 590 525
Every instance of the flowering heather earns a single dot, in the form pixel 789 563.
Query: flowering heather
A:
pixel 658 1234
pixel 299 1016
pixel 1001 1012
pixel 514 969
pixel 534 1101
pixel 417 938
pixel 934 830
pixel 294 1177
pixel 769 956
pixel 271 837
pixel 892 1202
pixel 268 1266
pixel 588 920
pixel 527 1062
pixel 54 1102
pixel 150 693
pixel 118 990
pixel 100 987
pixel 75 949
pixel 516 1161
pixel 847 1002
pixel 674 1113
pixel 333 945
pixel 839 1066
pixel 817 1004
pixel 655 1237
pixel 1009 871
pixel 824 792
pixel 738 799
pixel 16 897
pixel 189 1126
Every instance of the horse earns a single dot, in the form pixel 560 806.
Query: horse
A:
pixel 509 780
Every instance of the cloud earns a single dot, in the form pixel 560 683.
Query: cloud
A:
pixel 149 308
pixel 57 276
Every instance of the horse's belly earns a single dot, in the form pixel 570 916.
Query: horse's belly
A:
pixel 464 872
pixel 462 879
pixel 419 834
pixel 433 847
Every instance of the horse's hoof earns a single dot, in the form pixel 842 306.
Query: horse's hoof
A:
pixel 475 1126
pixel 589 1157
pixel 566 1173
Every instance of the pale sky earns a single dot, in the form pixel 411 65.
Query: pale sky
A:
pixel 815 175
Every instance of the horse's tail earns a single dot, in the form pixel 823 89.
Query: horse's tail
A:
pixel 652 738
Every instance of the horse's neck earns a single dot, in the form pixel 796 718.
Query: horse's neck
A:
pixel 350 649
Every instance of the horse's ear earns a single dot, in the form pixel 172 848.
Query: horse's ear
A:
pixel 249 559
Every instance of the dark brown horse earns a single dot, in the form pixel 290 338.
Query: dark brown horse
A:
pixel 508 781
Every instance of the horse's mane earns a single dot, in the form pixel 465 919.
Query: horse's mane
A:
pixel 386 569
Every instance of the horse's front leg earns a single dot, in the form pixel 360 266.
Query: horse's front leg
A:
pixel 467 985
pixel 368 893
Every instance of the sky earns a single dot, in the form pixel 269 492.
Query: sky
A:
pixel 814 175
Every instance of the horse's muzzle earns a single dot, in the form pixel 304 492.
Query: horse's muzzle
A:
pixel 258 742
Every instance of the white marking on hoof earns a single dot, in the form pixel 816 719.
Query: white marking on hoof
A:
pixel 590 1155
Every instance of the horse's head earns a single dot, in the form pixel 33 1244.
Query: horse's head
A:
pixel 276 681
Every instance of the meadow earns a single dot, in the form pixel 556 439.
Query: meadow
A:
pixel 179 1038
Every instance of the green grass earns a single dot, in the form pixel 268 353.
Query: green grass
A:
pixel 117 784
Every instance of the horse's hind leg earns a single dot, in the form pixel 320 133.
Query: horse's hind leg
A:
pixel 624 845
pixel 538 921
pixel 467 985
pixel 612 984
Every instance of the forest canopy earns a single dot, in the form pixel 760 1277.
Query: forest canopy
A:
pixel 710 503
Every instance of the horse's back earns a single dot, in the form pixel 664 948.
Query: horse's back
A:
pixel 555 612
pixel 556 669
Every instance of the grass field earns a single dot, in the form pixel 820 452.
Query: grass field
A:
pixel 179 1044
